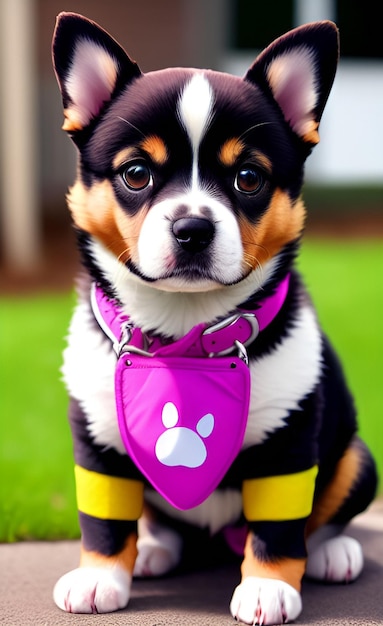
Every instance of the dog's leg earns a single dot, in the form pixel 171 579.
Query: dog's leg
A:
pixel 333 557
pixel 110 500
pixel 270 589
pixel 159 547
pixel 102 582
pixel 274 562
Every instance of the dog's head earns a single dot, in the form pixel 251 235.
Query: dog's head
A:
pixel 189 180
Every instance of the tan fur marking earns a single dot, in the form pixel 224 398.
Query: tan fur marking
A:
pixel 130 229
pixel 72 121
pixel 156 148
pixel 262 160
pixel 124 156
pixel 125 559
pixel 337 490
pixel 97 211
pixel 280 224
pixel 230 151
pixel 289 570
pixel 310 132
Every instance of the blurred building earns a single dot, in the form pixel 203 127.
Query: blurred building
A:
pixel 37 161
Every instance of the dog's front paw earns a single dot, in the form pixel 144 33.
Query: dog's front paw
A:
pixel 338 560
pixel 265 601
pixel 93 590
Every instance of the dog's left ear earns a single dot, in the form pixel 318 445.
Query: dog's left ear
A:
pixel 299 69
pixel 91 68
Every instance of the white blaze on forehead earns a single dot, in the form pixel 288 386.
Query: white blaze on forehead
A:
pixel 195 110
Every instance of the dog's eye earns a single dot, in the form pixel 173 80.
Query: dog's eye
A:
pixel 248 180
pixel 136 175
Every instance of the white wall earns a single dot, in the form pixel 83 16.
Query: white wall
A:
pixel 351 149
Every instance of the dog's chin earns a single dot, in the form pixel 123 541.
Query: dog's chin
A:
pixel 178 285
pixel 186 280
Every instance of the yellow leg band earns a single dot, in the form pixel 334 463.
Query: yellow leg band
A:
pixel 278 498
pixel 108 497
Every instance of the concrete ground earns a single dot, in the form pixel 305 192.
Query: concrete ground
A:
pixel 28 572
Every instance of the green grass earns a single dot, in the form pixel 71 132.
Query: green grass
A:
pixel 345 280
pixel 37 490
pixel 36 468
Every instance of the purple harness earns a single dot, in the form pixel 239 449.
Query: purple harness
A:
pixel 182 407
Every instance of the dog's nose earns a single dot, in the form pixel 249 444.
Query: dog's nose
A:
pixel 193 234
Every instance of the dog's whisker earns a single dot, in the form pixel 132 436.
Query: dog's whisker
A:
pixel 252 261
pixel 259 247
pixel 122 254
pixel 128 240
pixel 130 124
pixel 249 130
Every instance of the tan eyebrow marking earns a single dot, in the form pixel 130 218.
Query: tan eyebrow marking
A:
pixel 156 148
pixel 262 160
pixel 230 151
pixel 123 156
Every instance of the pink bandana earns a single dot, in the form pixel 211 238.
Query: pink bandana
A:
pixel 185 422
pixel 182 416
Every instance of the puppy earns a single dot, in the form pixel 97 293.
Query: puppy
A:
pixel 199 377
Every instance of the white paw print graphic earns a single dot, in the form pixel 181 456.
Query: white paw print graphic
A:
pixel 181 446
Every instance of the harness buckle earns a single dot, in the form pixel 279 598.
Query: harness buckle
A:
pixel 124 347
pixel 222 338
pixel 242 352
pixel 126 334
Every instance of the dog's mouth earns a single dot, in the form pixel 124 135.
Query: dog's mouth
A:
pixel 190 275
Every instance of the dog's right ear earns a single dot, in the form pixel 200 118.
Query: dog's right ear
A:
pixel 91 68
pixel 298 70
